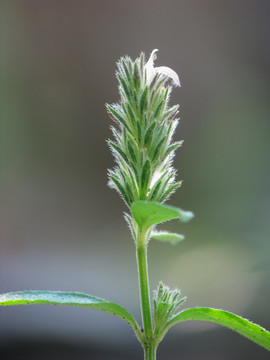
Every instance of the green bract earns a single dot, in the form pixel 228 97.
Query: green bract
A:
pixel 166 302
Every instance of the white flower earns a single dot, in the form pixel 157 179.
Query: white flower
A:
pixel 151 71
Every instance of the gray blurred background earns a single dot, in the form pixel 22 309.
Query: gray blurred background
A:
pixel 62 227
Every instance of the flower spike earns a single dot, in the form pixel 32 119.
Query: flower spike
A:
pixel 145 124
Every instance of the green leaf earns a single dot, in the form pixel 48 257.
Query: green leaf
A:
pixel 165 236
pixel 119 187
pixel 171 149
pixel 143 100
pixel 117 117
pixel 171 190
pixel 243 326
pixel 118 151
pixel 148 213
pixel 149 133
pixel 69 298
pixel 145 177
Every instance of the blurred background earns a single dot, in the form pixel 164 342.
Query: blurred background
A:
pixel 62 227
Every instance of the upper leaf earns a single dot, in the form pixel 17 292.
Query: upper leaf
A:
pixel 243 326
pixel 69 298
pixel 165 236
pixel 149 213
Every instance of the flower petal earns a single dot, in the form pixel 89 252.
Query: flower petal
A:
pixel 153 57
pixel 151 71
pixel 149 67
pixel 168 72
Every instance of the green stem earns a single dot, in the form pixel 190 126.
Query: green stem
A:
pixel 144 287
pixel 150 351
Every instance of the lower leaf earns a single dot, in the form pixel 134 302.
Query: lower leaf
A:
pixel 69 298
pixel 243 326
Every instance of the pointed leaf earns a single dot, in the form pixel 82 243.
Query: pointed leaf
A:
pixel 243 326
pixel 148 213
pixel 143 100
pixel 115 183
pixel 171 190
pixel 165 236
pixel 149 133
pixel 68 298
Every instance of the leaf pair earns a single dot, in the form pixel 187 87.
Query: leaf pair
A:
pixel 244 327
pixel 150 213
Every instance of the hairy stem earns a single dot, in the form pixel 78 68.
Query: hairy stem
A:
pixel 144 286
